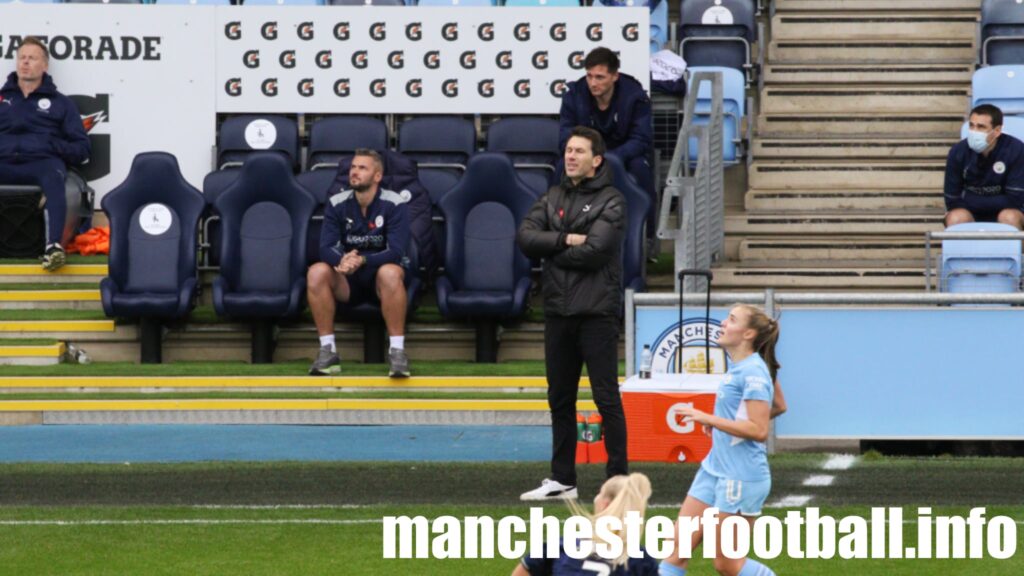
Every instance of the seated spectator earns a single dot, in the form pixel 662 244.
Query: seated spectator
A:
pixel 616 105
pixel 985 173
pixel 40 133
pixel 362 258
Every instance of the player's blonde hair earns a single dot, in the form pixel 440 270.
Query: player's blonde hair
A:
pixel 767 329
pixel 623 494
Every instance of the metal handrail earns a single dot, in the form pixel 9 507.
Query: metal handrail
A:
pixel 947 235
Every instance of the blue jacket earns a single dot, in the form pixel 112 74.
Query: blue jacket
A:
pixel 627 128
pixel 986 183
pixel 382 236
pixel 44 125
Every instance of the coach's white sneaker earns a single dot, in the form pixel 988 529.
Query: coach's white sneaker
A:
pixel 550 490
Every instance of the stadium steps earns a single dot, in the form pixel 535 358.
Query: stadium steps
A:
pixel 832 249
pixel 851 5
pixel 815 73
pixel 863 99
pixel 821 274
pixel 758 201
pixel 13 352
pixel 844 224
pixel 875 50
pixel 847 174
pixel 917 21
pixel 852 147
pixel 71 273
pixel 49 296
pixel 860 125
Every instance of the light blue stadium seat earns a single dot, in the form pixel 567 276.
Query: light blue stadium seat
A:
pixel 980 266
pixel 283 3
pixel 33 1
pixel 366 2
pixel 1002 86
pixel 194 2
pixel 733 109
pixel 659 18
pixel 1002 32
pixel 548 3
pixel 457 3
pixel 1012 125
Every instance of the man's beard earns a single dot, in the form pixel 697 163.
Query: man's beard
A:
pixel 361 187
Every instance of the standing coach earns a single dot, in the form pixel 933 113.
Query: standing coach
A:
pixel 577 228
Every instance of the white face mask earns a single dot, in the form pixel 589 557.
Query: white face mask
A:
pixel 977 141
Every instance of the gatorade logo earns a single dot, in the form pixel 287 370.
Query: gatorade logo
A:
pixel 540 60
pixel 305 87
pixel 432 60
pixel 450 88
pixel 379 88
pixel 522 88
pixel 233 87
pixel 558 32
pixel 576 60
pixel 675 419
pixel 233 30
pixel 341 31
pixel 504 60
pixel 269 31
pixel 450 31
pixel 251 59
pixel 414 88
pixel 360 60
pixel 486 31
pixel 486 88
pixel 269 87
pixel 324 59
pixel 594 32
pixel 341 88
pixel 396 59
pixel 287 59
pixel 414 31
pixel 305 31
pixel 522 32
pixel 558 87
pixel 631 32
pixel 378 31
pixel 468 59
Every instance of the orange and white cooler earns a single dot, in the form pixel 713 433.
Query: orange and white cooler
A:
pixel 655 430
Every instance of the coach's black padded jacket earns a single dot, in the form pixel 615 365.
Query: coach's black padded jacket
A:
pixel 581 280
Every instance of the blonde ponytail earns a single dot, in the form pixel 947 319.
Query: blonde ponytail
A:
pixel 624 494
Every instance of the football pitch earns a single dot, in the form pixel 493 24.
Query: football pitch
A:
pixel 326 518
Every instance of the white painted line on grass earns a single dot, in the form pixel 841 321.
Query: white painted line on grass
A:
pixel 839 462
pixel 791 501
pixel 281 506
pixel 819 480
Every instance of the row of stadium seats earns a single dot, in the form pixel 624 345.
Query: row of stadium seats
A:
pixel 1003 87
pixel 1002 32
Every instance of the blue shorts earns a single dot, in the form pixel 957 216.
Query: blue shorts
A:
pixel 730 496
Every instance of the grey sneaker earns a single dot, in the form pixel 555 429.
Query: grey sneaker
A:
pixel 327 363
pixel 53 258
pixel 398 363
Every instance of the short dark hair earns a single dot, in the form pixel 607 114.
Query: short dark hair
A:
pixel 991 111
pixel 596 141
pixel 33 41
pixel 372 154
pixel 602 56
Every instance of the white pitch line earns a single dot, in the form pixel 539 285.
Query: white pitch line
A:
pixel 819 480
pixel 186 522
pixel 839 462
pixel 280 506
pixel 791 501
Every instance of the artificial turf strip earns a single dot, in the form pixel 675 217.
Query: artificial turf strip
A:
pixel 30 286
pixel 27 342
pixel 50 314
pixel 71 259
pixel 385 394
pixel 294 368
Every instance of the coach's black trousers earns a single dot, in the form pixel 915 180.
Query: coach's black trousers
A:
pixel 568 343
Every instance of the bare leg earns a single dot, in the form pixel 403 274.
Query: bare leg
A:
pixel 1011 216
pixel 691 508
pixel 958 216
pixel 727 566
pixel 391 290
pixel 324 285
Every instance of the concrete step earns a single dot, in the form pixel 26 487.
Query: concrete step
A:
pixel 49 299
pixel 817 73
pixel 860 124
pixel 827 275
pixel 875 25
pixel 849 175
pixel 866 99
pixel 767 250
pixel 54 328
pixel 72 273
pixel 834 223
pixel 45 355
pixel 884 51
pixel 833 200
pixel 852 147
pixel 853 5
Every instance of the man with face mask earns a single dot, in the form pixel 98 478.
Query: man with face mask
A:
pixel 985 173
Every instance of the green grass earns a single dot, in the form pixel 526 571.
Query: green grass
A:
pixel 291 368
pixel 72 259
pixel 47 314
pixel 664 265
pixel 27 341
pixel 383 394
pixel 48 286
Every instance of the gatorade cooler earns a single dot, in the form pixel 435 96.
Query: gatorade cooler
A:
pixel 656 432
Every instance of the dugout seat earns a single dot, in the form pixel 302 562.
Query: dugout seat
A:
pixel 1002 32
pixel 154 218
pixel 1012 125
pixel 548 3
pixel 487 277
pixel 1001 86
pixel 717 33
pixel 335 137
pixel 366 3
pixel 532 144
pixel 265 216
pixel 659 18
pixel 193 2
pixel 980 266
pixel 638 203
pixel 733 110
pixel 457 3
pixel 282 2
pixel 243 136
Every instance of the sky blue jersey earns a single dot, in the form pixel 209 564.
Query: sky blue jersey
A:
pixel 732 457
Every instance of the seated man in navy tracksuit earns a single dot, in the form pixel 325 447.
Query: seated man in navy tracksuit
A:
pixel 615 105
pixel 40 132
pixel 362 258
pixel 985 173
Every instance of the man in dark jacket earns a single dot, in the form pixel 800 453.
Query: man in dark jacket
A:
pixel 577 228
pixel 615 105
pixel 40 133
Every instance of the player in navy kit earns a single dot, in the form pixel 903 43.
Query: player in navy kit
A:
pixel 735 477
pixel 618 496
